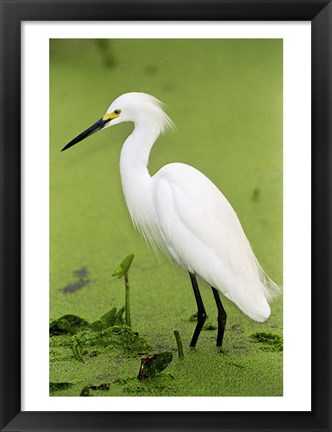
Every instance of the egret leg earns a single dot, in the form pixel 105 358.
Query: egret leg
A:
pixel 201 315
pixel 221 317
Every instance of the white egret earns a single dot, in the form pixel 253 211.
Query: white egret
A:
pixel 181 212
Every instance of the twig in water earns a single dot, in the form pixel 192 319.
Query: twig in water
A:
pixel 178 343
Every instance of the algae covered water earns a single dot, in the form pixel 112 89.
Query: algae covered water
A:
pixel 225 98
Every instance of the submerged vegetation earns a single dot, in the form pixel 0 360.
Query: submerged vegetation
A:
pixel 269 341
pixel 111 333
pixel 106 357
pixel 107 336
pixel 86 358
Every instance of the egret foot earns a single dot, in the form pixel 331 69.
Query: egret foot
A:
pixel 201 314
pixel 222 317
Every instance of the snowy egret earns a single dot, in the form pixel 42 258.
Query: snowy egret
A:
pixel 180 211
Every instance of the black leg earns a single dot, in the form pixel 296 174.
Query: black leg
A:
pixel 201 316
pixel 221 317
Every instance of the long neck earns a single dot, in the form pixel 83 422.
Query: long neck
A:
pixel 135 177
pixel 135 152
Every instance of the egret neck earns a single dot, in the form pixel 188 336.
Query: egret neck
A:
pixel 135 177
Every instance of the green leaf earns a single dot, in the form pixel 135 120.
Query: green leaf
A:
pixel 98 325
pixel 123 268
pixel 119 316
pixel 67 324
pixel 109 317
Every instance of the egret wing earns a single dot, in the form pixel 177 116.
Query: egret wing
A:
pixel 202 232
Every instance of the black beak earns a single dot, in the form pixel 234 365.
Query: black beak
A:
pixel 92 129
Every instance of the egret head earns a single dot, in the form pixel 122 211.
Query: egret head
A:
pixel 139 108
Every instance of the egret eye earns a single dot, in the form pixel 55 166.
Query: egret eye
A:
pixel 117 112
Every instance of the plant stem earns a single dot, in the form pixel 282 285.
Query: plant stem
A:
pixel 178 343
pixel 128 320
pixel 76 348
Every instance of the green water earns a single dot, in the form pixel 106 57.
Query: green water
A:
pixel 225 98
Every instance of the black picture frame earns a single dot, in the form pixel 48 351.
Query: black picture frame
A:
pixel 13 12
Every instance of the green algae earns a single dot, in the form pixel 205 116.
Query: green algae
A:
pixel 90 342
pixel 111 368
pixel 209 326
pixel 90 227
pixel 109 331
pixel 59 386
pixel 86 391
pixel 206 326
pixel 122 337
pixel 269 341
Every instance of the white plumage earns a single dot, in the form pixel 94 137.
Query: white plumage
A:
pixel 180 211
